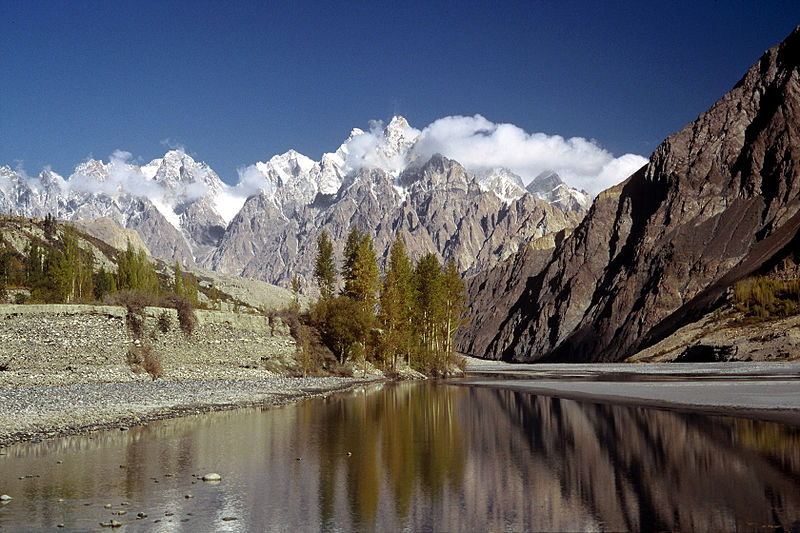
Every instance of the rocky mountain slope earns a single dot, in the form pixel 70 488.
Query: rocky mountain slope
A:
pixel 105 239
pixel 716 201
pixel 267 225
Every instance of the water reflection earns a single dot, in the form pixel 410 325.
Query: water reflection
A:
pixel 417 456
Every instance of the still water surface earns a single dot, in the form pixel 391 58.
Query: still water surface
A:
pixel 415 456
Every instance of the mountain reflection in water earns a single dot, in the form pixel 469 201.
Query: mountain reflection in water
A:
pixel 421 456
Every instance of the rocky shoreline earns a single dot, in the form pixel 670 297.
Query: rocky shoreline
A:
pixel 43 412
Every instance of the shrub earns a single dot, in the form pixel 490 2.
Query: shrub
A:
pixel 762 298
pixel 142 358
pixel 164 323
pixel 186 316
pixel 152 364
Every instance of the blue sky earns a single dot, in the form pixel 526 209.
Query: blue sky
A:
pixel 235 84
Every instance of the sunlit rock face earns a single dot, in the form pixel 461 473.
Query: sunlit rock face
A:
pixel 436 207
pixel 716 201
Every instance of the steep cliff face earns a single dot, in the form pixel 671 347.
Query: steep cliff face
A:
pixel 716 200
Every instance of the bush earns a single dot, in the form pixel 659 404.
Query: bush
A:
pixel 186 316
pixel 763 298
pixel 142 358
pixel 164 323
pixel 152 364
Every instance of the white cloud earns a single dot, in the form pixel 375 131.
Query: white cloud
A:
pixel 480 144
pixel 373 149
pixel 231 199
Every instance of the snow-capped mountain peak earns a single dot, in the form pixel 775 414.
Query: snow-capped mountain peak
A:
pixel 501 181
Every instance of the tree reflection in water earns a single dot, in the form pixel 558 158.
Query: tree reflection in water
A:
pixel 423 456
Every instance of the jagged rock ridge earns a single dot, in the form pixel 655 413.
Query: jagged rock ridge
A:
pixel 715 202
pixel 184 212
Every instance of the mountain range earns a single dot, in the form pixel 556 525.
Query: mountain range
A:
pixel 266 226
pixel 718 201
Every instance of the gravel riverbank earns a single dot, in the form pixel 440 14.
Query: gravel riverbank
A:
pixel 759 390
pixel 40 412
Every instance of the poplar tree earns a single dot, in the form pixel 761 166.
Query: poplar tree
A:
pixel 178 281
pixel 354 239
pixel 295 291
pixel 135 272
pixel 324 266
pixel 455 306
pixel 396 303
pixel 428 308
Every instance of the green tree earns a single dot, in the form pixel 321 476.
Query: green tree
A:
pixel 135 272
pixel 295 292
pixel 396 303
pixel 428 311
pixel 49 225
pixel 343 324
pixel 178 280
pixel 455 306
pixel 325 267
pixel 34 262
pixel 354 239
pixel 104 283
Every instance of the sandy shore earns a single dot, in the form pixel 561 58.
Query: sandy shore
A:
pixel 35 413
pixel 766 391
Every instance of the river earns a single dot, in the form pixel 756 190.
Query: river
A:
pixel 435 456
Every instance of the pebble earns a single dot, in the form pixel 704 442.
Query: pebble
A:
pixel 139 516
pixel 228 518
pixel 212 477
pixel 189 496
pixel 55 409
pixel 107 506
pixel 5 498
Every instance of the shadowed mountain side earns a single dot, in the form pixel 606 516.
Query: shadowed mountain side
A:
pixel 653 469
pixel 499 288
pixel 716 201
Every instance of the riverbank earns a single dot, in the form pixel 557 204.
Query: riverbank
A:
pixel 36 413
pixel 757 390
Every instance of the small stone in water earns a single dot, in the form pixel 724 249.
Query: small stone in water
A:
pixel 188 496
pixel 59 525
pixel 107 506
pixel 141 515
pixel 212 477
pixel 228 518
pixel 5 498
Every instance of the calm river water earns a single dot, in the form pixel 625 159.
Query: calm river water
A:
pixel 415 456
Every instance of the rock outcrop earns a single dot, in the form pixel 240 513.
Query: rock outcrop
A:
pixel 716 201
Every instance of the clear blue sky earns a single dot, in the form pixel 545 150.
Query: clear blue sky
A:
pixel 239 83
